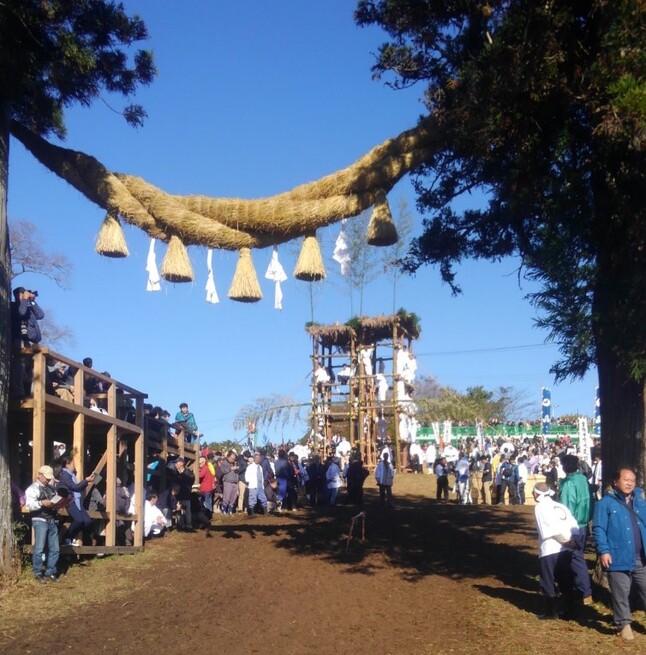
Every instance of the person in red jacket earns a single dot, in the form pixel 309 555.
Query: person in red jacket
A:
pixel 207 482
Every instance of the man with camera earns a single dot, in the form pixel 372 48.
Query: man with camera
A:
pixel 41 503
pixel 25 314
pixel 25 331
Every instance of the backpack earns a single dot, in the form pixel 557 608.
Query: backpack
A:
pixel 506 472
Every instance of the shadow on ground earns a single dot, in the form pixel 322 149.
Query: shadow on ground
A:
pixel 419 537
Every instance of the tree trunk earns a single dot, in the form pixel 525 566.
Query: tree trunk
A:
pixel 7 559
pixel 623 411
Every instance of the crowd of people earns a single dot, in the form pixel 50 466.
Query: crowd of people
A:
pixel 254 482
pixel 570 499
pixel 567 503
pixel 250 483
pixel 497 472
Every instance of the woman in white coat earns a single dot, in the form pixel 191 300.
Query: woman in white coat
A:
pixel 334 480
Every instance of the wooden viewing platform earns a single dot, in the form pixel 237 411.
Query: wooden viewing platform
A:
pixel 116 444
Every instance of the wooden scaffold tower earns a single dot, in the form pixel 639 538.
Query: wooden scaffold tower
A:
pixel 362 385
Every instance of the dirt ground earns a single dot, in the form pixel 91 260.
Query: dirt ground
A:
pixel 430 578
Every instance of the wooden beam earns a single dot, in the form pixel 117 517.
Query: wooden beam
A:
pixel 90 415
pixel 70 362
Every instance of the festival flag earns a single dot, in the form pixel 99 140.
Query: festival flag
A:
pixel 154 281
pixel 211 292
pixel 546 410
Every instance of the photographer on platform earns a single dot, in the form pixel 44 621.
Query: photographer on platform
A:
pixel 25 331
pixel 25 314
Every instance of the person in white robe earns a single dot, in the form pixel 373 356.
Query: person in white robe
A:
pixel 365 354
pixel 154 520
pixel 382 387
pixel 555 525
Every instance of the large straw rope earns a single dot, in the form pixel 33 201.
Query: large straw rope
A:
pixel 232 223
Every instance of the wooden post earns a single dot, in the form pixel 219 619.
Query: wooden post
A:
pixel 163 457
pixel 140 472
pixel 111 473
pixel 39 456
pixel 78 436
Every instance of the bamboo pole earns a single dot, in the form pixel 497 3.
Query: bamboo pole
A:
pixel 355 437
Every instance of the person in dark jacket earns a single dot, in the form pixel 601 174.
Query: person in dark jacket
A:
pixel 243 492
pixel 167 503
pixel 25 331
pixel 355 477
pixel 124 528
pixel 68 480
pixel 291 499
pixel 123 498
pixel 184 479
pixel 229 477
pixel 508 480
pixel 25 314
pixel 442 473
pixel 284 475
pixel 620 539
pixel 487 479
pixel 313 483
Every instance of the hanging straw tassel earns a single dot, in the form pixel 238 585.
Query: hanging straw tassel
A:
pixel 111 241
pixel 245 286
pixel 381 229
pixel 309 266
pixel 176 266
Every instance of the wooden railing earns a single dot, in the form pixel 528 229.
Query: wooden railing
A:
pixel 122 437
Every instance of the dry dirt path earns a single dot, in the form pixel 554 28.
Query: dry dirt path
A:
pixel 429 579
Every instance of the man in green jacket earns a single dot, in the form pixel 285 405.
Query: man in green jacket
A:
pixel 575 495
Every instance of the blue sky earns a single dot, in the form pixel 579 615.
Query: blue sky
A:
pixel 252 99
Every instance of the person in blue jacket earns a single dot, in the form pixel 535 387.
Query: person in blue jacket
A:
pixel 620 536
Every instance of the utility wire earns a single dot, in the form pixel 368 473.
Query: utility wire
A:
pixel 530 346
